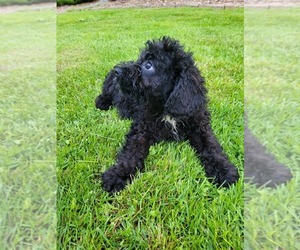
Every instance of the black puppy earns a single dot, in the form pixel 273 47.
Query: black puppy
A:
pixel 164 94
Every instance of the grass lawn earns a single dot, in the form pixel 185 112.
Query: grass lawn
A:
pixel 23 2
pixel 272 217
pixel 171 205
pixel 27 150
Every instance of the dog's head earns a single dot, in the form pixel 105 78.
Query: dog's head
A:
pixel 169 75
pixel 164 74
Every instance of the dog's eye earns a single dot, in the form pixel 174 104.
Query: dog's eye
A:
pixel 148 65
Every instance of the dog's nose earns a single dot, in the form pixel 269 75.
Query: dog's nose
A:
pixel 118 71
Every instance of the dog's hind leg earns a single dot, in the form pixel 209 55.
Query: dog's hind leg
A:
pixel 209 151
pixel 109 90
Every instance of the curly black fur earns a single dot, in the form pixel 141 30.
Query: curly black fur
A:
pixel 163 93
pixel 261 168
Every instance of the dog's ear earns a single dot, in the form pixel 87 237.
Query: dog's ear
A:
pixel 188 94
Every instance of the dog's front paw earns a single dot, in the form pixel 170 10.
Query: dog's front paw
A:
pixel 111 182
pixel 103 102
pixel 229 176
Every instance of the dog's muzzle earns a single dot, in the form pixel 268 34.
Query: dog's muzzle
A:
pixel 118 71
pixel 127 78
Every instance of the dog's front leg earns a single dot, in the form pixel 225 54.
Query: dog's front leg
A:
pixel 216 163
pixel 130 159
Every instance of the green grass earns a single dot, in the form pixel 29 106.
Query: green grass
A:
pixel 22 2
pixel 171 205
pixel 27 150
pixel 272 101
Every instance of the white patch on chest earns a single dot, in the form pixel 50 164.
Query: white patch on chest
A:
pixel 173 123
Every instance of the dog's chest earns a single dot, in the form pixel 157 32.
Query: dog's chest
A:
pixel 171 123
